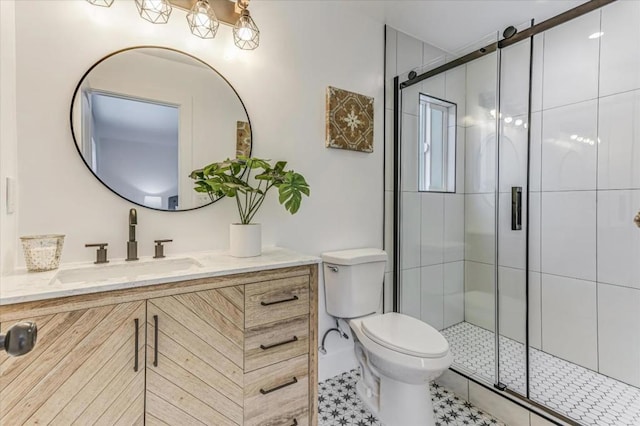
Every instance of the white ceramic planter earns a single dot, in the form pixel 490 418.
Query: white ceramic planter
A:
pixel 245 240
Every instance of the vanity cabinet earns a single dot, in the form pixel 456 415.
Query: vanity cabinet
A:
pixel 231 350
pixel 195 358
pixel 84 369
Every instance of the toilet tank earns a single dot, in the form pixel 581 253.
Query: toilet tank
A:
pixel 353 281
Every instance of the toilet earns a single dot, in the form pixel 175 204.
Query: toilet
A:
pixel 398 355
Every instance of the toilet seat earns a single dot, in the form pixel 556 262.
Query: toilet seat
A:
pixel 406 335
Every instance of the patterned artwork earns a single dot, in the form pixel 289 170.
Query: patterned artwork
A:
pixel 349 120
pixel 580 394
pixel 339 405
pixel 243 139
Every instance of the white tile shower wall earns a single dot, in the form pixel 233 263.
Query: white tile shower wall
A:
pixel 479 300
pixel 569 319
pixel 283 90
pixel 569 234
pixel 432 224
pixel 618 238
pixel 432 295
pixel 586 141
pixel 618 141
pixel 618 336
pixel 571 62
pixel 620 72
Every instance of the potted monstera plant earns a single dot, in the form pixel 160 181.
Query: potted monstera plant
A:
pixel 248 180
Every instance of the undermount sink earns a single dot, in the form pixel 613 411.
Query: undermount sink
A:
pixel 131 270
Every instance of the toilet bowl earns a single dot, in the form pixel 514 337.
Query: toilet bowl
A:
pixel 399 356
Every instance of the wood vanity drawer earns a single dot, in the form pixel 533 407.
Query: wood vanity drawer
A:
pixel 278 394
pixel 268 344
pixel 276 300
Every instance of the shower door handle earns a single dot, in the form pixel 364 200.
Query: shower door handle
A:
pixel 516 208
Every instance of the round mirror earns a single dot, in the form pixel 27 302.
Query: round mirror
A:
pixel 143 118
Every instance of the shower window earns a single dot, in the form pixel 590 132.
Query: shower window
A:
pixel 437 145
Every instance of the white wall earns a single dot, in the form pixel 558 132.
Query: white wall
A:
pixel 305 46
pixel 8 141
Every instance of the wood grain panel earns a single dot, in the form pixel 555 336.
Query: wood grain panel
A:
pixel 199 304
pixel 235 294
pixel 78 362
pixel 226 304
pixel 275 291
pixel 186 401
pixel 160 411
pixel 255 357
pixel 205 330
pixel 200 358
pixel 313 345
pixel 57 325
pixel 281 406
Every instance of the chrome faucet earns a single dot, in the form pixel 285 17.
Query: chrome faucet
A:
pixel 132 244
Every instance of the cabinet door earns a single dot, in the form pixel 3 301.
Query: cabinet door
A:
pixel 82 370
pixel 195 358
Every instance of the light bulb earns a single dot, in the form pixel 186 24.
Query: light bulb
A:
pixel 508 120
pixel 574 137
pixel 596 35
pixel 518 122
pixel 580 139
pixel 245 33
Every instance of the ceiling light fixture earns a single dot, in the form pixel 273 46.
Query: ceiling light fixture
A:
pixel 596 35
pixel 203 16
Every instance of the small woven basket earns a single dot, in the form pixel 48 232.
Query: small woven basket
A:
pixel 42 252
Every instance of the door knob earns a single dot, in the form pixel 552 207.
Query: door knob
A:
pixel 637 220
pixel 20 339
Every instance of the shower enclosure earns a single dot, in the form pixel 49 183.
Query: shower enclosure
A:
pixel 516 181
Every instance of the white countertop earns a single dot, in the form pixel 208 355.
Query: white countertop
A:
pixel 30 286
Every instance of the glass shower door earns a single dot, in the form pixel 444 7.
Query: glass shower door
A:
pixel 513 193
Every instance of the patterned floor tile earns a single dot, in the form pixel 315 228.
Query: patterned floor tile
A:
pixel 338 405
pixel 581 394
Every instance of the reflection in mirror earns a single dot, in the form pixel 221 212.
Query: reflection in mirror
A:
pixel 143 118
pixel 437 145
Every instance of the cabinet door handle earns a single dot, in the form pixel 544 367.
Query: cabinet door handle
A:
pixel 135 361
pixel 284 385
pixel 291 299
pixel 155 340
pixel 273 345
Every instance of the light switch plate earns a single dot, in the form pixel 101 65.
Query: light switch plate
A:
pixel 11 195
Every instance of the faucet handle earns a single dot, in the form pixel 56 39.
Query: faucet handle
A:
pixel 101 253
pixel 160 248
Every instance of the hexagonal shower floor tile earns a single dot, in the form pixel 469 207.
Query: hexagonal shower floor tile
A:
pixel 583 395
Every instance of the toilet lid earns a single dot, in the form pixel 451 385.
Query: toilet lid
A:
pixel 405 334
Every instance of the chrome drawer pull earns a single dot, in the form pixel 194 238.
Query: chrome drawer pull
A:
pixel 279 301
pixel 265 347
pixel 292 382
